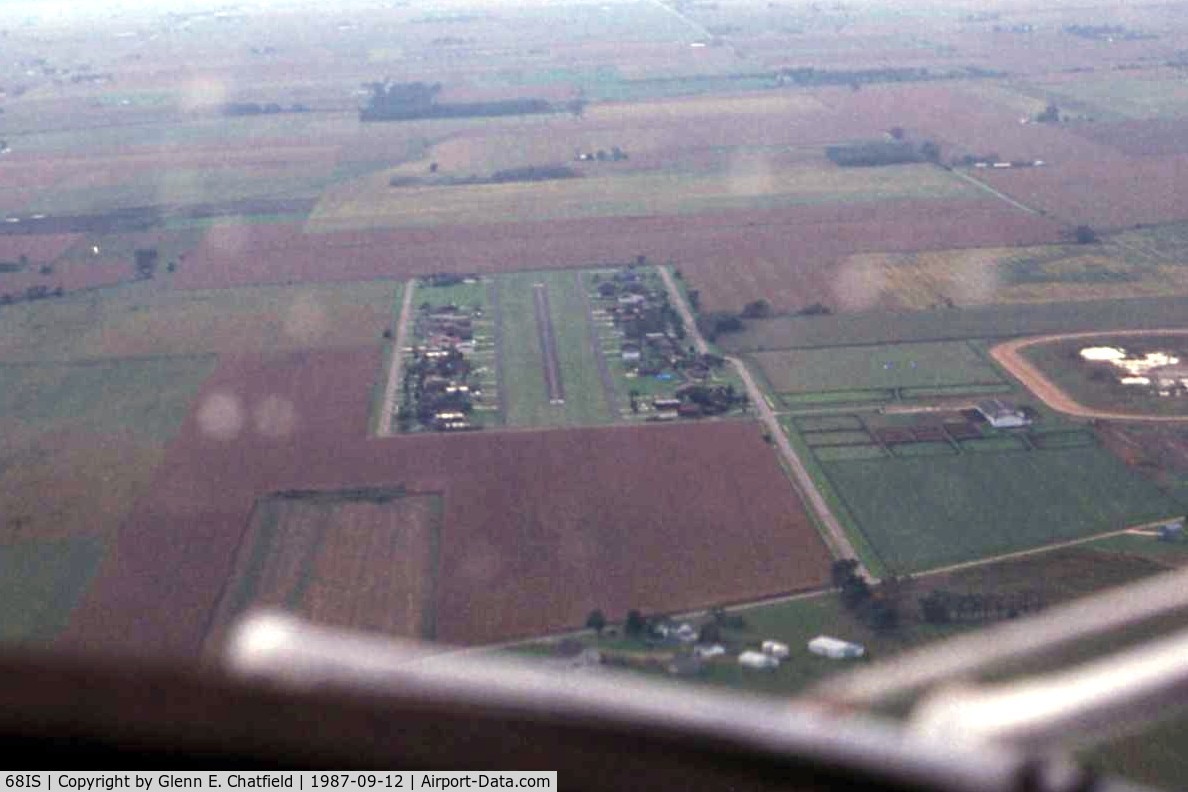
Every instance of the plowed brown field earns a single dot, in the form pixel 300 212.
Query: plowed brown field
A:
pixel 734 257
pixel 538 527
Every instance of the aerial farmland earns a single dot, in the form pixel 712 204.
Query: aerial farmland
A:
pixel 480 324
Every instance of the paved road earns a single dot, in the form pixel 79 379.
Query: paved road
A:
pixel 1010 357
pixel 392 386
pixel 832 531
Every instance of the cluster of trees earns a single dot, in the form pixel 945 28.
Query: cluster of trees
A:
pixel 851 77
pixel 406 101
pixel 255 108
pixel 1050 115
pixel 427 390
pixel 882 152
pixel 878 609
pixel 32 293
pixel 943 607
pixel 717 323
pixel 636 625
pixel 530 173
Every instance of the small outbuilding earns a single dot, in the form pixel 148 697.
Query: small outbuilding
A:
pixel 776 649
pixel 707 651
pixel 835 648
pixel 1001 414
pixel 751 659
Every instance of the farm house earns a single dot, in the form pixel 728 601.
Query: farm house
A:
pixel 1002 415
pixel 835 648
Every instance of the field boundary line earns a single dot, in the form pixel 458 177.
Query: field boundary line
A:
pixel 388 405
pixel 1041 549
pixel 996 193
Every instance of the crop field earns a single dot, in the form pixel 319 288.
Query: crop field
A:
pixel 374 204
pixel 585 399
pixel 1152 95
pixel 991 321
pixel 517 507
pixel 41 581
pixel 144 320
pixel 1103 194
pixel 362 560
pixel 146 396
pixel 37 248
pixel 733 257
pixel 1149 137
pixel 920 512
pixel 1156 452
pixel 887 367
pixel 1131 266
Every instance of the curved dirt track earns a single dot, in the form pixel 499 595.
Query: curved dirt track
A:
pixel 1009 356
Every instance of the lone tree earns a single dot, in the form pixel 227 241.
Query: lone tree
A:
pixel 1084 235
pixel 635 624
pixel 596 621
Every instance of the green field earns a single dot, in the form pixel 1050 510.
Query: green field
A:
pixel 521 363
pixel 840 453
pixel 991 321
pixel 839 437
pixel 925 512
pixel 1135 97
pixel 828 423
pixel 147 397
pixel 890 366
pixel 144 320
pixel 40 583
pixel 843 397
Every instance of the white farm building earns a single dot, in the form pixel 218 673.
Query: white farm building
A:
pixel 751 659
pixel 835 648
pixel 1002 415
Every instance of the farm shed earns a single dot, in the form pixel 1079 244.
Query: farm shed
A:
pixel 776 649
pixel 706 651
pixel 1002 415
pixel 757 660
pixel 835 648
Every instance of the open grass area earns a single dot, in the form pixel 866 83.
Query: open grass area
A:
pixel 925 512
pixel 147 397
pixel 890 366
pixel 372 202
pixel 521 361
pixel 40 583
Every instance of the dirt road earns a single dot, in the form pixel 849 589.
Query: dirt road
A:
pixel 1009 356
pixel 395 367
pixel 831 528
